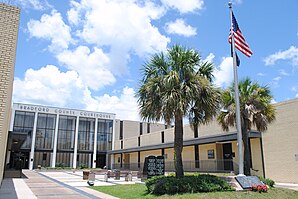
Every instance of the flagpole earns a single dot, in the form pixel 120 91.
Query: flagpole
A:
pixel 238 120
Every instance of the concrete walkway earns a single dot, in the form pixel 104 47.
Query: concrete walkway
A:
pixel 43 185
pixel 287 186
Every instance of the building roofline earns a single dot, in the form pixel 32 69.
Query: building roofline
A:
pixel 190 142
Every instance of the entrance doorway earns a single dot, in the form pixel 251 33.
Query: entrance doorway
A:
pixel 228 156
pixel 19 160
pixel 100 160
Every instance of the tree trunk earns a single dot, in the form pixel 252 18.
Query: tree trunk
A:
pixel 247 165
pixel 178 146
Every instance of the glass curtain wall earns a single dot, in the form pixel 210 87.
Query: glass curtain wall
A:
pixel 45 131
pixel 23 123
pixel 85 142
pixel 65 142
pixel 104 135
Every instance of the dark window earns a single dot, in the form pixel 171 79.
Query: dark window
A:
pixel 141 128
pixel 121 144
pixel 121 160
pixel 66 132
pixel 162 137
pixel 104 135
pixel 162 152
pixel 197 156
pixel 121 130
pixel 211 154
pixel 139 141
pixel 45 131
pixel 86 134
pixel 196 133
pixel 23 123
pixel 44 156
pixel 148 127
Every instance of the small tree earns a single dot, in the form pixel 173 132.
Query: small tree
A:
pixel 256 110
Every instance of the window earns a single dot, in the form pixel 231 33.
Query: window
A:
pixel 86 134
pixel 44 156
pixel 121 130
pixel 162 137
pixel 211 154
pixel 139 141
pixel 23 123
pixel 139 159
pixel 66 132
pixel 45 131
pixel 104 135
pixel 141 128
pixel 148 127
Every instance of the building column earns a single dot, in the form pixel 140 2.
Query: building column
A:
pixel 33 142
pixel 53 162
pixel 113 143
pixel 75 151
pixel 95 144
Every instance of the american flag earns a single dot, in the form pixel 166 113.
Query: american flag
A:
pixel 239 40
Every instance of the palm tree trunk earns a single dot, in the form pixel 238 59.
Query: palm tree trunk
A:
pixel 247 165
pixel 178 146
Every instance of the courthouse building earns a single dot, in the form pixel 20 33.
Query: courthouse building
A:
pixel 56 137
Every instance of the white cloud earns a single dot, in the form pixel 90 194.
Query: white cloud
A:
pixel 184 6
pixel 92 67
pixel 49 86
pixel 261 74
pixel 224 72
pixel 33 4
pixel 283 72
pixel 209 58
pixel 290 54
pixel 277 78
pixel 123 25
pixel 125 106
pixel 51 27
pixel 179 27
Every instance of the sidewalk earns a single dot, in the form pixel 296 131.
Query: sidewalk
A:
pixel 287 185
pixel 42 185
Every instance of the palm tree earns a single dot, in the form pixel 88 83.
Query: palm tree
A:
pixel 256 111
pixel 175 85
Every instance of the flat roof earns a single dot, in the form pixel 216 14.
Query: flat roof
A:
pixel 194 141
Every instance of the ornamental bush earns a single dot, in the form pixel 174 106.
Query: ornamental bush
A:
pixel 267 181
pixel 171 185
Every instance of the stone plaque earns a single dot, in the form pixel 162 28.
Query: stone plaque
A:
pixel 151 165
pixel 160 165
pixel 247 181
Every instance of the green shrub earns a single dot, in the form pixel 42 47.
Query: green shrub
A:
pixel 267 181
pixel 83 166
pixel 189 184
pixel 60 164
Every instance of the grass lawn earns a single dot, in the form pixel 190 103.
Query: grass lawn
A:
pixel 139 191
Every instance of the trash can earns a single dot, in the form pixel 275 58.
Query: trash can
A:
pixel 117 174
pixel 86 175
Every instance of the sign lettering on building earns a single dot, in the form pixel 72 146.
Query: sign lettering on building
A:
pixel 62 111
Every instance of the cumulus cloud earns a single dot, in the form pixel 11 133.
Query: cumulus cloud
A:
pixel 125 106
pixel 179 27
pixel 123 25
pixel 49 86
pixel 224 72
pixel 51 27
pixel 184 6
pixel 290 54
pixel 92 67
pixel 209 58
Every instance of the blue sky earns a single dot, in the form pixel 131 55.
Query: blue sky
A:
pixel 88 54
